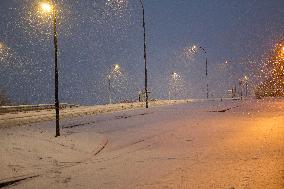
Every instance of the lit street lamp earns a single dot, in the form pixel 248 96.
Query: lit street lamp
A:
pixel 174 78
pixel 245 79
pixel 114 71
pixel 109 88
pixel 193 50
pixel 49 8
pixel 227 66
pixel 240 88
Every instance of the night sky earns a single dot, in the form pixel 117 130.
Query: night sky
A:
pixel 96 34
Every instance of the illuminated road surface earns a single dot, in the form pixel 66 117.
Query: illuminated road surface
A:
pixel 233 144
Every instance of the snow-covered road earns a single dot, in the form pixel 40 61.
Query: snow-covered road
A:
pixel 229 144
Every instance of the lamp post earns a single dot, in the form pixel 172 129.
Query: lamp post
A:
pixel 194 50
pixel 227 66
pixel 240 88
pixel 109 88
pixel 246 89
pixel 114 70
pixel 246 79
pixel 206 72
pixel 50 8
pixel 243 81
pixel 174 78
pixel 145 56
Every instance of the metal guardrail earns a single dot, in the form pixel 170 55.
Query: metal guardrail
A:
pixel 20 108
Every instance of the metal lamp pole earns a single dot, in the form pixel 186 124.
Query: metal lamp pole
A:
pixel 114 70
pixel 56 69
pixel 206 72
pixel 50 7
pixel 246 84
pixel 145 56
pixel 246 89
pixel 109 88
pixel 241 88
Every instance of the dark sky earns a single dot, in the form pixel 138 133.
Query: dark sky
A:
pixel 95 34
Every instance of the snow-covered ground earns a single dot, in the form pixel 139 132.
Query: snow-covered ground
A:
pixel 29 117
pixel 204 144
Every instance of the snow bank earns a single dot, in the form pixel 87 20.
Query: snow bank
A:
pixel 32 150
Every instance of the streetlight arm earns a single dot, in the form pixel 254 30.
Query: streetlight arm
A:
pixel 203 50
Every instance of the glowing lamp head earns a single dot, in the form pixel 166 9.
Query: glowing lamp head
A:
pixel 116 67
pixel 175 76
pixel 193 49
pixel 120 1
pixel 2 47
pixel 46 7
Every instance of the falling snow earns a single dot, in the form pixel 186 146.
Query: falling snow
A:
pixel 215 80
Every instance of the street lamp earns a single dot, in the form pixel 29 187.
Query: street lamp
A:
pixel 194 50
pixel 116 68
pixel 245 79
pixel 46 7
pixel 145 53
pixel 145 56
pixel 114 72
pixel 49 8
pixel 228 67
pixel 174 78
